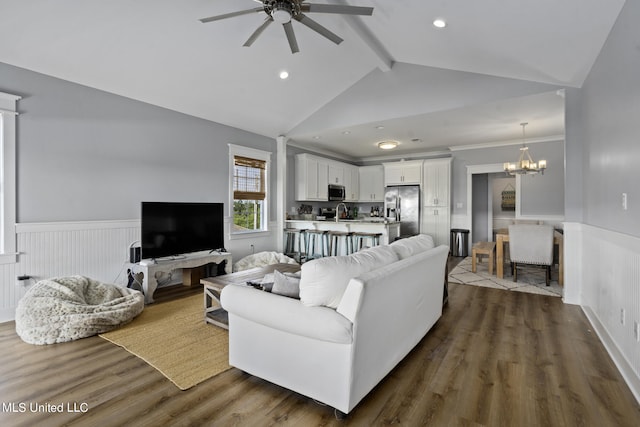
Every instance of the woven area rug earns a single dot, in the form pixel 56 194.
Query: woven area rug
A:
pixel 530 279
pixel 174 338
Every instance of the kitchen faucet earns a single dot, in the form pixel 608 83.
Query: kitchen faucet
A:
pixel 338 210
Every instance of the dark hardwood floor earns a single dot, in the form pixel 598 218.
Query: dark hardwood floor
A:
pixel 495 358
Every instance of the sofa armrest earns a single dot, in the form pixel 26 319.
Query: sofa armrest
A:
pixel 285 314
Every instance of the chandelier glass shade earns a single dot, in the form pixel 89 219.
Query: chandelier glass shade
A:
pixel 525 164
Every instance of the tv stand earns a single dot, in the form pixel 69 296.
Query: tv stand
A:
pixel 149 270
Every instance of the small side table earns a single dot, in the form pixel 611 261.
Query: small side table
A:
pixel 213 312
pixel 483 248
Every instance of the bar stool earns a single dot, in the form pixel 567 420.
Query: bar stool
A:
pixel 313 238
pixel 294 238
pixel 360 238
pixel 337 237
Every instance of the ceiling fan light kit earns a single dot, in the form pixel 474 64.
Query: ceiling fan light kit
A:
pixel 284 11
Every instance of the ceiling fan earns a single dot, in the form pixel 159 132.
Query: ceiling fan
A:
pixel 283 11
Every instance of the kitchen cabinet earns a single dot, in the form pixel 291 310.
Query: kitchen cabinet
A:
pixel 403 173
pixel 336 173
pixel 312 177
pixel 371 183
pixel 436 223
pixel 351 183
pixel 437 182
pixel 436 210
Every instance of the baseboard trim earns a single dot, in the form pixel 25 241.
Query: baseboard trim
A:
pixel 625 369
pixel 7 315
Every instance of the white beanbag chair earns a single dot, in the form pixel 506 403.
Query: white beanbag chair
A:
pixel 69 308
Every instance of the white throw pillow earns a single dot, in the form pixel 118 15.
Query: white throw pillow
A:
pixel 287 284
pixel 412 245
pixel 324 280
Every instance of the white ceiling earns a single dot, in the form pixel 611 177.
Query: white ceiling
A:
pixel 158 52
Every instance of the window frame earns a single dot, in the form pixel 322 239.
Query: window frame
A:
pixel 252 153
pixel 8 114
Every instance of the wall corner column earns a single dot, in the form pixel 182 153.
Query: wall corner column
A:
pixel 281 188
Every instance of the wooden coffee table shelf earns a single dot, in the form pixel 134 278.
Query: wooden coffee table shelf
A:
pixel 213 312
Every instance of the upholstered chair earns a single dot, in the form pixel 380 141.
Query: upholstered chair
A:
pixel 532 245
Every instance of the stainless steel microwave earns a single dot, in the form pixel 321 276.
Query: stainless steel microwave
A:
pixel 336 192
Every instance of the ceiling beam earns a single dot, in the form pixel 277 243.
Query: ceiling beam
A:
pixel 383 57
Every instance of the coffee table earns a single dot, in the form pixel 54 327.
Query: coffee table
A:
pixel 213 312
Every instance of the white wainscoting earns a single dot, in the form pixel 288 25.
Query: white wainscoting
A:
pixel 602 274
pixel 97 249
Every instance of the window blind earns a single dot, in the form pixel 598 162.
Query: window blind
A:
pixel 248 178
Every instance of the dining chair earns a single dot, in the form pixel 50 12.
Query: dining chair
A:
pixel 531 245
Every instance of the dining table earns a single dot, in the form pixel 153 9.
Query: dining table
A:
pixel 502 237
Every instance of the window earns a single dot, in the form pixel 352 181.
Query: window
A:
pixel 249 184
pixel 8 177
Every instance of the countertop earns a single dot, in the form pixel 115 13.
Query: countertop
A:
pixel 381 221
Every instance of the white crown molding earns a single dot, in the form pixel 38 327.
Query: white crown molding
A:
pixel 408 156
pixel 322 151
pixel 553 138
pixel 9 96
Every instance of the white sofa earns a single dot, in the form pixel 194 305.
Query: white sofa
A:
pixel 358 316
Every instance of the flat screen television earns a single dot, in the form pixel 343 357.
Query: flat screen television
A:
pixel 170 229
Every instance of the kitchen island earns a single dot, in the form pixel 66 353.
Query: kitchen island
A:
pixel 389 230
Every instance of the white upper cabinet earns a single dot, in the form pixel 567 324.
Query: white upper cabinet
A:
pixel 311 178
pixel 403 173
pixel 437 182
pixel 336 173
pixel 352 183
pixel 314 174
pixel 371 183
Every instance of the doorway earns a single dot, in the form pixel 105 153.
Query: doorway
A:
pixel 485 186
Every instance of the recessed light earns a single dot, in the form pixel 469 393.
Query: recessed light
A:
pixel 284 75
pixel 387 145
pixel 346 132
pixel 316 137
pixel 439 23
pixel 379 127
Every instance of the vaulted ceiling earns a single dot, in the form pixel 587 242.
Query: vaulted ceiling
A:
pixel 157 51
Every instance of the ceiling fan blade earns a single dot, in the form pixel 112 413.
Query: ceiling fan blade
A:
pixel 337 8
pixel 258 31
pixel 291 37
pixel 231 15
pixel 305 20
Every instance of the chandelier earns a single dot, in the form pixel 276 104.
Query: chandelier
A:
pixel 525 164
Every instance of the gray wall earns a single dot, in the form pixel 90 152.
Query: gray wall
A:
pixel 540 194
pixel 604 134
pixel 85 154
pixel 500 183
pixel 480 208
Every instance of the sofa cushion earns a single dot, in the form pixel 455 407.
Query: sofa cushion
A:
pixel 287 284
pixel 324 280
pixel 412 245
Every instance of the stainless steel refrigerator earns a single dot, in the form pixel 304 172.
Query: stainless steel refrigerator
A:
pixel 402 203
